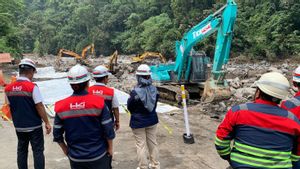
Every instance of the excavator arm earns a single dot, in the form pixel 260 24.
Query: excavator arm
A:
pixel 86 49
pixel 186 63
pixel 113 61
pixel 146 55
pixel 79 59
pixel 67 53
pixel 222 21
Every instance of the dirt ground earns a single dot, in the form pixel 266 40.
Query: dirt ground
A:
pixel 174 154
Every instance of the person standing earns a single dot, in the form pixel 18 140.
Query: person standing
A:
pixel 143 121
pixel 86 123
pixel 100 74
pixel 265 135
pixel 28 111
pixel 293 104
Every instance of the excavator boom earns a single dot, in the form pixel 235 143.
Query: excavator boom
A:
pixel 86 49
pixel 144 56
pixel 67 53
pixel 113 62
pixel 188 64
pixel 79 59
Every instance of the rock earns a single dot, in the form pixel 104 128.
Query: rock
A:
pixel 222 104
pixel 236 83
pixel 231 69
pixel 274 69
pixel 244 92
pixel 130 69
pixel 263 62
pixel 285 66
pixel 285 71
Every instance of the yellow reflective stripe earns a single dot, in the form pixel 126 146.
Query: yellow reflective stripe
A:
pixel 183 96
pixel 257 162
pixel 262 152
pixel 295 157
pixel 224 151
pixel 223 143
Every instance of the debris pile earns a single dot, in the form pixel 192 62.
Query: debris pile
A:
pixel 240 76
pixel 241 79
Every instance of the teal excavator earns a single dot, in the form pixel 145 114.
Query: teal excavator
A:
pixel 190 67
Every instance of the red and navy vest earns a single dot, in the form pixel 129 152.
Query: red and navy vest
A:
pixel 24 113
pixel 105 92
pixel 265 136
pixel 293 105
pixel 80 116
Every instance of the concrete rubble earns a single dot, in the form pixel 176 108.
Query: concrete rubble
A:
pixel 241 78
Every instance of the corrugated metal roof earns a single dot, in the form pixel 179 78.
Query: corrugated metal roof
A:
pixel 5 58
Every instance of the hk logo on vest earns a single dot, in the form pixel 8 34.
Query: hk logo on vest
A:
pixel 17 88
pixel 77 106
pixel 99 92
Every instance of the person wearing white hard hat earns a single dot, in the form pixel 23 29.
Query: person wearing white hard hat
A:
pixel 293 104
pixel 263 134
pixel 100 74
pixel 85 122
pixel 28 112
pixel 143 121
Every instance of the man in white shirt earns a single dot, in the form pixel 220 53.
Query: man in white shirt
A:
pixel 100 74
pixel 28 112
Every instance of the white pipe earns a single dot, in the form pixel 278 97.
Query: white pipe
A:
pixel 185 112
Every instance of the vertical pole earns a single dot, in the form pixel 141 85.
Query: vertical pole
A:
pixel 186 116
pixel 187 137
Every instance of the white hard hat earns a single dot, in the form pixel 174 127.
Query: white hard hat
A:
pixel 78 74
pixel 27 62
pixel 296 75
pixel 274 84
pixel 100 71
pixel 143 70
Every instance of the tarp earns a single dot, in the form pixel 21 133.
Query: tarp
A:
pixel 57 89
pixel 49 73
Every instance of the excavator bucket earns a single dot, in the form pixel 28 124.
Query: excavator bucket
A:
pixel 214 92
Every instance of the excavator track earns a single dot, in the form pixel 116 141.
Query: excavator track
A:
pixel 171 93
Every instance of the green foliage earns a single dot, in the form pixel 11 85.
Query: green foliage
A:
pixel 9 40
pixel 264 28
pixel 269 29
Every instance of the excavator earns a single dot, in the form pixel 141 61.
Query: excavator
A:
pixel 190 67
pixel 144 56
pixel 79 59
pixel 86 49
pixel 113 62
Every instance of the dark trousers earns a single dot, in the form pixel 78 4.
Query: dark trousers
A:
pixel 36 139
pixel 102 163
